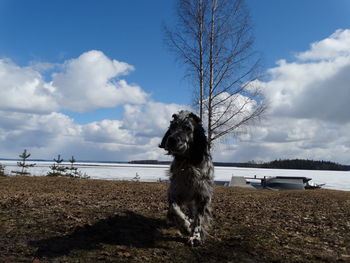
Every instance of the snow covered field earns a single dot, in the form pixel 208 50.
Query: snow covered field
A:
pixel 338 180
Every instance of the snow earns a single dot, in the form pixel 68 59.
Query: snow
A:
pixel 337 180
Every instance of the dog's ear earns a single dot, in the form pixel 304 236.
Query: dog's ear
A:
pixel 165 138
pixel 196 118
pixel 200 142
pixel 166 135
pixel 199 146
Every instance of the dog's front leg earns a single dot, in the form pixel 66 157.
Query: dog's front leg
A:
pixel 198 228
pixel 178 217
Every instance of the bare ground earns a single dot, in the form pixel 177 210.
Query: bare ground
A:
pixel 46 219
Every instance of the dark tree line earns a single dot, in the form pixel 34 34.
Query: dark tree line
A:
pixel 301 164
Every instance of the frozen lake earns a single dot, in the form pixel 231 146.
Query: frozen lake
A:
pixel 338 180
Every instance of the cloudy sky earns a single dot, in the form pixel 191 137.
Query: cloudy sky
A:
pixel 93 79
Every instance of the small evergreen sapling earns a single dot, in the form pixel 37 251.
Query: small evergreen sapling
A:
pixel 57 169
pixel 24 156
pixel 2 170
pixel 73 172
pixel 136 178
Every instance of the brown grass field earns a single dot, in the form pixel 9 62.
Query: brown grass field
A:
pixel 46 219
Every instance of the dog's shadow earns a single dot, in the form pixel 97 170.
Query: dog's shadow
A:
pixel 130 229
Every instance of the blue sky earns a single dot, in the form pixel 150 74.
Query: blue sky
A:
pixel 46 38
pixel 283 28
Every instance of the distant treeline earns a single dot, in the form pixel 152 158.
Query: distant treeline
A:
pixel 149 162
pixel 298 164
pixel 277 164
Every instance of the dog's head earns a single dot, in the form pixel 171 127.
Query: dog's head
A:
pixel 186 137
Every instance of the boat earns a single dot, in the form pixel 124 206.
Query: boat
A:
pixel 275 183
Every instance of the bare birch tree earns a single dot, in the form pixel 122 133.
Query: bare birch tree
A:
pixel 187 40
pixel 214 39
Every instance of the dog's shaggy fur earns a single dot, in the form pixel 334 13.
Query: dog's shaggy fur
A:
pixel 191 176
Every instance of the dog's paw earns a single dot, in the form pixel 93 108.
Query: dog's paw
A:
pixel 195 241
pixel 196 237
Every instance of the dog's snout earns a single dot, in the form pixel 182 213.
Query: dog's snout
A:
pixel 172 141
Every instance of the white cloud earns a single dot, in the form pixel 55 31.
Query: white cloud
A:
pixel 91 81
pixel 289 138
pixel 150 119
pixel 313 90
pixel 107 131
pixel 23 89
pixel 338 44
pixel 38 131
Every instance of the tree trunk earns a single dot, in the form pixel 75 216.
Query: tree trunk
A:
pixel 211 72
pixel 201 72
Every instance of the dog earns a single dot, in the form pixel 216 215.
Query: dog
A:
pixel 191 176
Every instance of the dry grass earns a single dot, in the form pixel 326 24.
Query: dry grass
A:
pixel 72 220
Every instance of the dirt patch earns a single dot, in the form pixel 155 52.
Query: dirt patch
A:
pixel 72 220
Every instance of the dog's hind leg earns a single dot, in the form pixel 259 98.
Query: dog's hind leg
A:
pixel 179 218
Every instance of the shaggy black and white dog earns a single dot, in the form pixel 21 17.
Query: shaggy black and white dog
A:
pixel 191 176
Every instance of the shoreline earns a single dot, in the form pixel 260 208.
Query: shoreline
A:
pixel 336 180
